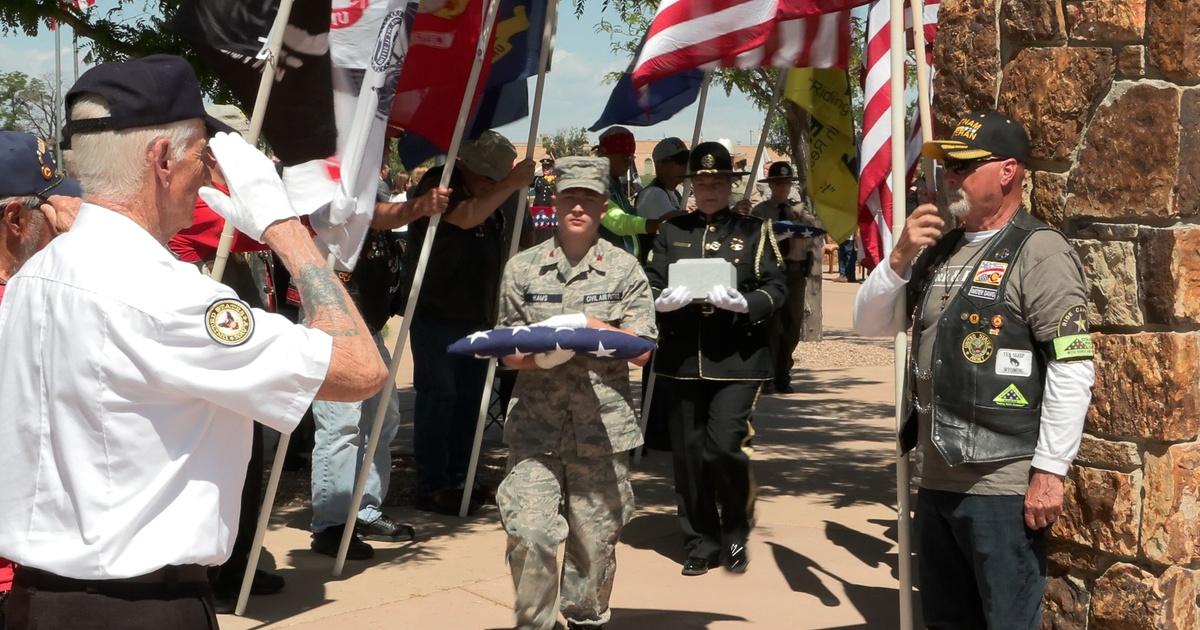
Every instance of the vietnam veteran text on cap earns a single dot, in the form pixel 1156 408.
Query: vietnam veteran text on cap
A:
pixel 982 135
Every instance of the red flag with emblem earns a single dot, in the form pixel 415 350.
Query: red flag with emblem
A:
pixel 440 55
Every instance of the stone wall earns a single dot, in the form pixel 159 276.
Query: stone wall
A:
pixel 1110 93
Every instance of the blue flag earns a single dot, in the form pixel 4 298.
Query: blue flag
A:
pixel 655 103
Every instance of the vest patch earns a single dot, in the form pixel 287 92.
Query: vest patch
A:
pixel 544 298
pixel 614 296
pixel 1014 362
pixel 990 273
pixel 1011 397
pixel 1074 347
pixel 977 347
pixel 980 292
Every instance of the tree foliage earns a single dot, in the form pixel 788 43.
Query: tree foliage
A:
pixel 569 141
pixel 26 104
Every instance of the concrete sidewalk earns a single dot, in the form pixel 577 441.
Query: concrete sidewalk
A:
pixel 822 555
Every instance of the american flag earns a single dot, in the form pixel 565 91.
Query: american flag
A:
pixel 687 34
pixel 875 165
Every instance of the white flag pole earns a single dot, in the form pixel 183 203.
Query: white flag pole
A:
pixel 58 100
pixel 924 109
pixel 274 43
pixel 899 177
pixel 464 111
pixel 535 117
pixel 762 136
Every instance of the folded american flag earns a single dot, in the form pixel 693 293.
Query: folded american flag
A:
pixel 797 229
pixel 594 343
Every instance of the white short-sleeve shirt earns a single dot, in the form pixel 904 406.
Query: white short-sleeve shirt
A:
pixel 125 421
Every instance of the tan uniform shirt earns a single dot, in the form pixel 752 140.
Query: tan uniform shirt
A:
pixel 583 407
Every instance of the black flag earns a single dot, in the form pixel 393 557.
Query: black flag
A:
pixel 231 37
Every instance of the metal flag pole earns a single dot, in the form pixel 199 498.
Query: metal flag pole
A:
pixel 218 271
pixel 899 175
pixel 648 395
pixel 464 111
pixel 687 183
pixel 762 136
pixel 924 109
pixel 75 50
pixel 274 44
pixel 548 31
pixel 58 104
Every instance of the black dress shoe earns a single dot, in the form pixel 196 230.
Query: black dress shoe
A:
pixel 697 566
pixel 784 387
pixel 736 560
pixel 448 501
pixel 326 543
pixel 384 529
pixel 225 595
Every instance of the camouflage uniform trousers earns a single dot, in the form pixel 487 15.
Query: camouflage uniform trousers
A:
pixel 547 499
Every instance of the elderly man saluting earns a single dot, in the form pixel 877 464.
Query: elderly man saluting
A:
pixel 998 383
pixel 130 380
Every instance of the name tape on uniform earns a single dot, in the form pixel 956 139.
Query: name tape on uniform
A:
pixel 544 298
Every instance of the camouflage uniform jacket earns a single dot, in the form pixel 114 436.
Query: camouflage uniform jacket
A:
pixel 584 406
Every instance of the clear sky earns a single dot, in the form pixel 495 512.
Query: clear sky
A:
pixel 576 90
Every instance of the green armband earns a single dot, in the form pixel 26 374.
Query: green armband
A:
pixel 1073 348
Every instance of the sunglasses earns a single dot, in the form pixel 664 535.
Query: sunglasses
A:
pixel 964 167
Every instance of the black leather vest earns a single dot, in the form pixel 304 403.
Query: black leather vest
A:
pixel 988 369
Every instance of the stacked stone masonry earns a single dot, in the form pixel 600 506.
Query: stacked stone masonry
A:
pixel 1110 93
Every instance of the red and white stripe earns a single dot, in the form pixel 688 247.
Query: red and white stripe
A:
pixel 875 152
pixel 83 4
pixel 821 41
pixel 687 34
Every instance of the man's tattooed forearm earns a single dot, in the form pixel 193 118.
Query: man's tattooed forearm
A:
pixel 322 297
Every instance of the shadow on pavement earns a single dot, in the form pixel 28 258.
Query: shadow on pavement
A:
pixel 876 604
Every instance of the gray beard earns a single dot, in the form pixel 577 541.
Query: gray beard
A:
pixel 958 206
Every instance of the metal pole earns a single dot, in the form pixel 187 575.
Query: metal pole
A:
pixel 225 245
pixel 58 104
pixel 899 176
pixel 687 182
pixel 924 110
pixel 464 111
pixel 762 136
pixel 535 117
pixel 75 47
pixel 644 415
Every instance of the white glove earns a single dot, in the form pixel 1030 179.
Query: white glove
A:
pixel 728 299
pixel 566 320
pixel 258 198
pixel 553 358
pixel 672 299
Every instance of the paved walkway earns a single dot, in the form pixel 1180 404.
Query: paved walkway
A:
pixel 822 556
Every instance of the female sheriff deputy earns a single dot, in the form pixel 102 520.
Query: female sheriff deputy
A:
pixel 713 358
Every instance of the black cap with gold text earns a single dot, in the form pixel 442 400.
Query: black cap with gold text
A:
pixel 982 135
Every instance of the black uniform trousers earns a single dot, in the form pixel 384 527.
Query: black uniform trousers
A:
pixel 788 323
pixel 710 442
pixel 44 601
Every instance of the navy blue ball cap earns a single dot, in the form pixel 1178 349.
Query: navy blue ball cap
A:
pixel 144 92
pixel 27 169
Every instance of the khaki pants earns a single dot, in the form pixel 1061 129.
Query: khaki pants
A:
pixel 545 500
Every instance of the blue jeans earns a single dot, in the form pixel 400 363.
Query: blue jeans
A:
pixel 979 566
pixel 340 443
pixel 847 260
pixel 447 402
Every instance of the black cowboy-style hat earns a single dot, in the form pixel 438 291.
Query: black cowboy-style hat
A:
pixel 779 171
pixel 711 158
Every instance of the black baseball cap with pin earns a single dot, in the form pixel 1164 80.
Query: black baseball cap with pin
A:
pixel 982 136
pixel 144 92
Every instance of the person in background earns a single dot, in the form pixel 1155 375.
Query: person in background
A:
pixel 784 205
pixel 621 225
pixel 458 297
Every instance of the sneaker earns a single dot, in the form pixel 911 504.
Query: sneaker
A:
pixel 384 529
pixel 326 543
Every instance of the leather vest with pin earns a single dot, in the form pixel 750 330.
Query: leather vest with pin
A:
pixel 988 370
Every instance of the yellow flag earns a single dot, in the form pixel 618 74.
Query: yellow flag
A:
pixel 833 185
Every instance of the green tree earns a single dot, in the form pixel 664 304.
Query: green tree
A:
pixel 26 104
pixel 569 141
